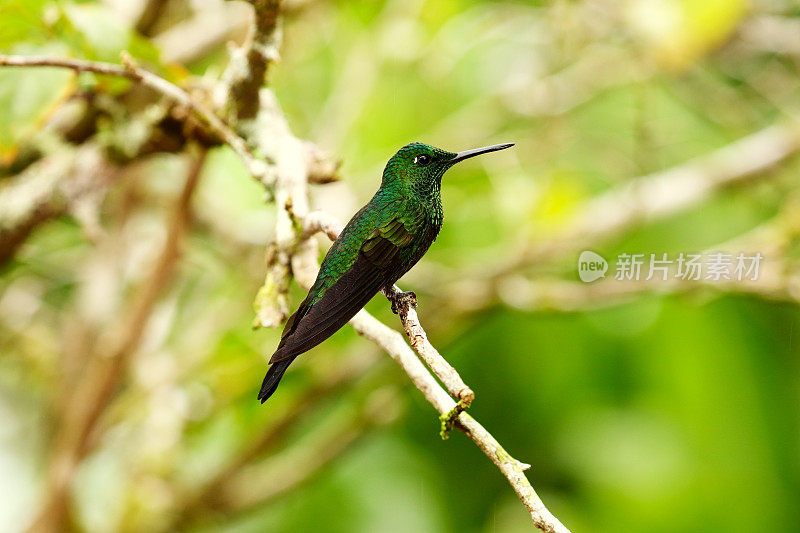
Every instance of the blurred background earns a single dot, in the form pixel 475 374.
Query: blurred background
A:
pixel 641 126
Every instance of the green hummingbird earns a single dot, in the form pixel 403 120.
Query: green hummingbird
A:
pixel 382 241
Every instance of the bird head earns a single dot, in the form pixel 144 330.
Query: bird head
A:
pixel 421 166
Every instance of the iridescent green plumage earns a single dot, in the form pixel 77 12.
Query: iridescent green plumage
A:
pixel 379 244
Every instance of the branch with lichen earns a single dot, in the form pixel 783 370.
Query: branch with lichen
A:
pixel 318 166
pixel 407 310
pixel 247 65
pixel 289 254
pixel 129 69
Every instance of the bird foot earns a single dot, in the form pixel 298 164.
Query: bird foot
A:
pixel 449 418
pixel 402 300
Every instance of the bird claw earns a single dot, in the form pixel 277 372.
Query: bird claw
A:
pixel 401 300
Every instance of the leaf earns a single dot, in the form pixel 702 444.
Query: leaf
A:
pixel 21 21
pixel 104 33
pixel 680 32
pixel 26 96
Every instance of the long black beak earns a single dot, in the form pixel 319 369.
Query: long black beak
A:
pixel 466 154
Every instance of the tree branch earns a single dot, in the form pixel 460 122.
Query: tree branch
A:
pixel 48 188
pixel 247 67
pixel 289 254
pixel 440 367
pixel 257 168
pixel 393 343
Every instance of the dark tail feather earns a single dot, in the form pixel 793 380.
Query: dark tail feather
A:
pixel 273 377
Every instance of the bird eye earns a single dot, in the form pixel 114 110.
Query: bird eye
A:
pixel 422 160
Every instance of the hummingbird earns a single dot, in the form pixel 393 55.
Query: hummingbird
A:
pixel 382 241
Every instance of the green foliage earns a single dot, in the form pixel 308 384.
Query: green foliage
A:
pixel 26 96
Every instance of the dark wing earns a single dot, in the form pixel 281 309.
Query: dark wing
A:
pixel 378 259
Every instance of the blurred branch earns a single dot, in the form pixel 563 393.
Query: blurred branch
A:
pixel 259 485
pixel 771 34
pixel 257 168
pixel 248 64
pixel 661 194
pixel 207 494
pixel 778 277
pixel 50 187
pixel 151 11
pixel 559 92
pixel 194 38
pixel 87 400
pixel 572 296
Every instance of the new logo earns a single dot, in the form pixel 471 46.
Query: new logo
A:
pixel 591 266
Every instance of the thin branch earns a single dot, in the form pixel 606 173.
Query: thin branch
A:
pixel 777 276
pixel 78 65
pixel 393 343
pixel 667 192
pixel 257 168
pixel 197 36
pixel 419 341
